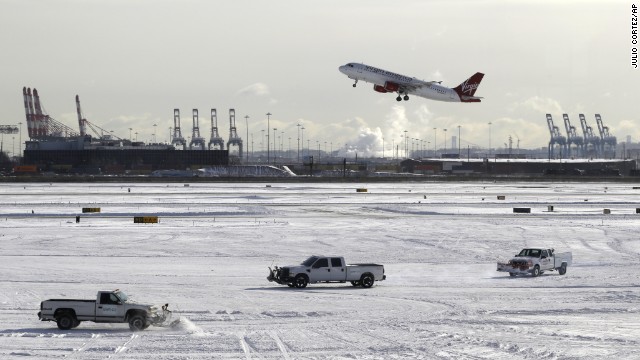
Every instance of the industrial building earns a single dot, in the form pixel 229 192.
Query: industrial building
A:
pixel 58 148
pixel 577 167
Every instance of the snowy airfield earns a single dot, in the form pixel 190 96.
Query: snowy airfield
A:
pixel 208 258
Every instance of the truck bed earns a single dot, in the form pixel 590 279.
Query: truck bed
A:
pixel 559 258
pixel 364 265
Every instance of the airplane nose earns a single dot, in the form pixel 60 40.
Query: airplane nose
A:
pixel 342 68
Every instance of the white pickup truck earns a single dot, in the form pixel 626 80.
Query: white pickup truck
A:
pixel 327 269
pixel 109 307
pixel 536 261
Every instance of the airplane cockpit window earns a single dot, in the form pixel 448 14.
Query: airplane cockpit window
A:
pixel 350 65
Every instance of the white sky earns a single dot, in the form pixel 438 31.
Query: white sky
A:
pixel 133 62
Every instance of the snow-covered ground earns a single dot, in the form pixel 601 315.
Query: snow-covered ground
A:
pixel 209 254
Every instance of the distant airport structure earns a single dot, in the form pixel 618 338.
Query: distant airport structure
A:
pixel 57 148
pixel 585 146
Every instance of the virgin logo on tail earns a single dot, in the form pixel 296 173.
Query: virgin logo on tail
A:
pixel 469 86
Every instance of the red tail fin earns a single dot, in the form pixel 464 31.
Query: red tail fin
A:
pixel 468 88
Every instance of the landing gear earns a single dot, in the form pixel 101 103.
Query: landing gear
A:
pixel 355 83
pixel 406 97
pixel 398 98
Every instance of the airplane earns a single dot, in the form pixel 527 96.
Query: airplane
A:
pixel 388 82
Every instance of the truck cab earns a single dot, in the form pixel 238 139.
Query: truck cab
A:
pixel 110 304
pixel 328 269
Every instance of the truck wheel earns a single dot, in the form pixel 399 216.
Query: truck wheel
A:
pixel 137 323
pixel 65 321
pixel 512 274
pixel 291 284
pixel 562 269
pixel 366 280
pixel 536 271
pixel 355 283
pixel 75 324
pixel 301 281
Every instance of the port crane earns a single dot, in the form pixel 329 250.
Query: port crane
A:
pixel 234 139
pixel 556 138
pixel 215 141
pixel 178 140
pixel 101 133
pixel 197 141
pixel 573 138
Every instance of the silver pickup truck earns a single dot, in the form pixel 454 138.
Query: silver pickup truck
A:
pixel 327 269
pixel 109 307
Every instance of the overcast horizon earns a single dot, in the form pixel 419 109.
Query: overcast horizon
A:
pixel 133 62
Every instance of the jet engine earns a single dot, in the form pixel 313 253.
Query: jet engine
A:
pixel 391 87
pixel 379 88
pixel 388 87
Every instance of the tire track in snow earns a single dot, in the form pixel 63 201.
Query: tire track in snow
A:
pixel 281 345
pixel 127 344
pixel 248 348
pixel 87 345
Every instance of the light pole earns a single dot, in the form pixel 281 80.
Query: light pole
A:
pixel 274 145
pixel 489 138
pixel 435 142
pixel 406 145
pixel 268 126
pixel 298 141
pixel 383 148
pixel 246 118
pixel 130 129
pixel 445 141
pixel 136 135
pixel 154 132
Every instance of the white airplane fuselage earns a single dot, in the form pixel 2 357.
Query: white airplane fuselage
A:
pixel 386 81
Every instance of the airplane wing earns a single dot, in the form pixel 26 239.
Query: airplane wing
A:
pixel 416 84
